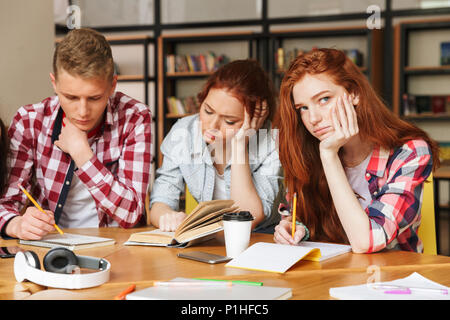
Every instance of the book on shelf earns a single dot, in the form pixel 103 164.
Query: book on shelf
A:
pixel 170 63
pixel 69 241
pixel 283 58
pixel 355 56
pixel 425 104
pixel 208 62
pixel 445 53
pixel 409 104
pixel 182 106
pixel 447 105
pixel 200 225
pixel 438 104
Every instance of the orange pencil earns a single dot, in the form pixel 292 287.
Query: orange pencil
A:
pixel 294 209
pixel 123 294
pixel 38 206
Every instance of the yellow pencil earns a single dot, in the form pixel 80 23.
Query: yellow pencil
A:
pixel 294 209
pixel 38 206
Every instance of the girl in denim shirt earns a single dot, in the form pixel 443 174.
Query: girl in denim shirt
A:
pixel 226 151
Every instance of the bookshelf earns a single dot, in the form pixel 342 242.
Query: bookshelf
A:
pixel 180 84
pixel 421 83
pixel 368 43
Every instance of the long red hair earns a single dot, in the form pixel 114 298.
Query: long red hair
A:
pixel 299 150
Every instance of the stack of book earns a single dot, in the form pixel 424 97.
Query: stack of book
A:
pixel 284 58
pixel 425 104
pixel 195 63
pixel 188 105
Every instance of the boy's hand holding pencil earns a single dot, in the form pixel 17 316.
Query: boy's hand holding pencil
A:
pixel 34 224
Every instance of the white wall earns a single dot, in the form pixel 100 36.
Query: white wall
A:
pixel 27 42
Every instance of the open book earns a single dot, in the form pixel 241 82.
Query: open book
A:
pixel 203 221
pixel 273 257
pixel 69 241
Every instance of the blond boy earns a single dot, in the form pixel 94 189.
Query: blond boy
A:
pixel 87 149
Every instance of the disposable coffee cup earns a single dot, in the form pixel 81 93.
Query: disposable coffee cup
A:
pixel 237 227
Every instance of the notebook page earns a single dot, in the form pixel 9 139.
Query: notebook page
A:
pixel 327 250
pixel 270 257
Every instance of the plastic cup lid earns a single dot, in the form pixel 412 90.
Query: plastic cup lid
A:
pixel 238 216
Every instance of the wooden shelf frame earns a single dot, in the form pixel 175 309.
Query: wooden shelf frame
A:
pixel 402 70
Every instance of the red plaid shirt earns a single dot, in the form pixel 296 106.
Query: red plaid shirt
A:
pixel 396 180
pixel 117 176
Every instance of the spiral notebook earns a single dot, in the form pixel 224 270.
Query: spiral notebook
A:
pixel 69 241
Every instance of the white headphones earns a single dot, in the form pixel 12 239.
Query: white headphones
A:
pixel 60 262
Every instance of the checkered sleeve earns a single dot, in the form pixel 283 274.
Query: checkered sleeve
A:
pixel 121 196
pixel 21 163
pixel 394 213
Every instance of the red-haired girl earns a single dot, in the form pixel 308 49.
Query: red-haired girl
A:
pixel 358 169
pixel 226 151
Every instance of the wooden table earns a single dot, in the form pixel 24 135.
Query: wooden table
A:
pixel 143 265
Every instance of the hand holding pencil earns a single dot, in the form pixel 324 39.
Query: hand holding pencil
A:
pixel 287 232
pixel 33 224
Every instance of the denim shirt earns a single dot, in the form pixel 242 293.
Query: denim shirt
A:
pixel 187 160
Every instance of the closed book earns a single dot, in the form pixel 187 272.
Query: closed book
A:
pixel 438 104
pixel 423 104
pixel 210 292
pixel 445 53
pixel 280 59
pixel 447 104
pixel 69 241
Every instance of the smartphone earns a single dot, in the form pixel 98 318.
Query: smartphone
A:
pixel 203 257
pixel 9 252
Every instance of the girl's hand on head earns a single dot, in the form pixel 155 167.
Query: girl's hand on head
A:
pixel 345 123
pixel 252 124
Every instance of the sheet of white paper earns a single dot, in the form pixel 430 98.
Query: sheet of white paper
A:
pixel 365 292
pixel 269 257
